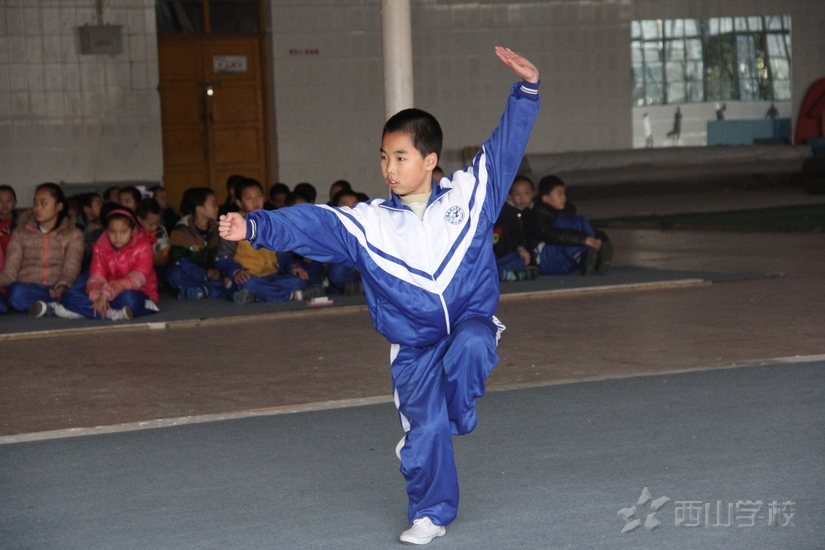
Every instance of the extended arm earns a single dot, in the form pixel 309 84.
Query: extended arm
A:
pixel 309 230
pixel 505 148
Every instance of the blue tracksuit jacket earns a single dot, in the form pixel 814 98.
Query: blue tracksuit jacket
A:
pixel 420 277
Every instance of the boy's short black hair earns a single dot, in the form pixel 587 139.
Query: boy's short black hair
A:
pixel 362 197
pixel 523 178
pixel 277 189
pixel 109 191
pixel 343 193
pixel 146 207
pixel 421 127
pixel 245 184
pixel 194 197
pixel 84 200
pixel 9 189
pixel 134 191
pixel 548 183
pixel 306 190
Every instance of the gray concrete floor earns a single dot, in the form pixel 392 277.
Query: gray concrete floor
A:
pixel 110 378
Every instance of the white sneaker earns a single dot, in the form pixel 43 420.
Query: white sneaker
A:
pixel 123 314
pixel 400 446
pixel 40 308
pixel 423 531
pixel 64 313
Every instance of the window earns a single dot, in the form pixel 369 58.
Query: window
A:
pixel 223 17
pixel 717 59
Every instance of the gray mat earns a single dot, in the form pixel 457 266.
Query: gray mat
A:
pixel 175 310
pixel 547 468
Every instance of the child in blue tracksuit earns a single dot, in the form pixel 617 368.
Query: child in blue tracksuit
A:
pixel 430 280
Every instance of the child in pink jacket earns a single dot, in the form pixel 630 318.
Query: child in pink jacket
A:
pixel 122 283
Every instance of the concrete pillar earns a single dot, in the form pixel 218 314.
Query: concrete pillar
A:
pixel 398 68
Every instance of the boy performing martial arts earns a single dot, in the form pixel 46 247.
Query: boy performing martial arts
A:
pixel 430 280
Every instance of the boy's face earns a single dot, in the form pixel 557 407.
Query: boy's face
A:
pixel 278 200
pixel 92 212
pixel 521 194
pixel 404 169
pixel 251 200
pixel 348 200
pixel 556 198
pixel 126 199
pixel 209 210
pixel 161 198
pixel 7 203
pixel 150 223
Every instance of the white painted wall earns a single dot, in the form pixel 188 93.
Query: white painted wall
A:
pixel 330 106
pixel 71 117
pixel 78 118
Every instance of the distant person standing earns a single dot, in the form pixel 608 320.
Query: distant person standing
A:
pixel 773 112
pixel 720 111
pixel 677 127
pixel 648 131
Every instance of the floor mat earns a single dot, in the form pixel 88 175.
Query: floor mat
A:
pixel 568 466
pixel 807 218
pixel 172 310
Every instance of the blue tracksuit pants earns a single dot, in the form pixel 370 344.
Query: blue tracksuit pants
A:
pixel 435 390
pixel 21 296
pixel 75 299
pixel 339 274
pixel 509 262
pixel 554 259
pixel 273 288
pixel 187 273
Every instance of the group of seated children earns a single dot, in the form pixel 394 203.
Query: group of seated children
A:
pixel 539 233
pixel 107 257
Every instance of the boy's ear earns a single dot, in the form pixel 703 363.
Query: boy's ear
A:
pixel 431 161
pixel 238 202
pixel 545 198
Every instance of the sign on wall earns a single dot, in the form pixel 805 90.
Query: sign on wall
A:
pixel 229 64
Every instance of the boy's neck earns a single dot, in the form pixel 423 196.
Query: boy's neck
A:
pixel 201 222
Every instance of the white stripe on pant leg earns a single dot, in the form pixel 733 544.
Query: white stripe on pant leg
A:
pixel 394 349
pixel 499 329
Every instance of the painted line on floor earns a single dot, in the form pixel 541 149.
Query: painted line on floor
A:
pixel 364 401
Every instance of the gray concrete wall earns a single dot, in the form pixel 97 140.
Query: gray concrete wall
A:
pixel 71 117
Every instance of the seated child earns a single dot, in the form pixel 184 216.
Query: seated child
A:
pixel 345 279
pixel 277 196
pixel 88 221
pixel 509 240
pixel 430 279
pixel 149 218
pixel 194 246
pixel 129 197
pixel 121 281
pixel 111 194
pixel 255 273
pixel 562 241
pixel 168 216
pixel 8 214
pixel 335 188
pixel 44 254
pixel 4 307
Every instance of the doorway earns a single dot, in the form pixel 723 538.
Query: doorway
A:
pixel 211 94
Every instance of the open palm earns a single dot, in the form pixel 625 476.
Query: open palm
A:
pixel 523 68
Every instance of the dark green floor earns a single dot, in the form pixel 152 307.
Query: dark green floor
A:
pixel 547 468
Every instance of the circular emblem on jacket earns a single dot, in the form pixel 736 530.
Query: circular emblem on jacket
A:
pixel 454 215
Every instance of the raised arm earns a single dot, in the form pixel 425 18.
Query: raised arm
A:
pixel 504 150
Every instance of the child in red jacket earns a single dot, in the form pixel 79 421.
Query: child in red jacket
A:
pixel 122 282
